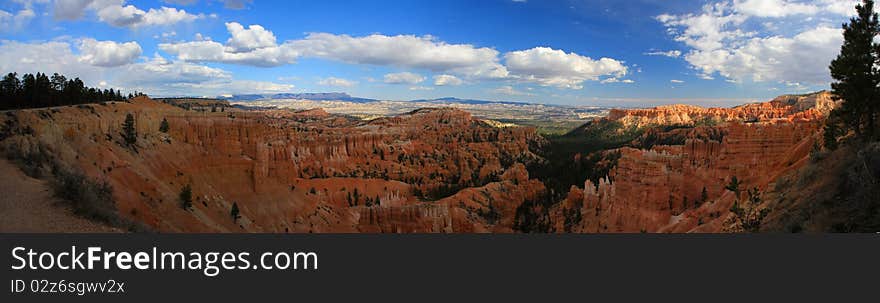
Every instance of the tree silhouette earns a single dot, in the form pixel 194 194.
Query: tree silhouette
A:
pixel 234 212
pixel 856 76
pixel 733 186
pixel 186 197
pixel 163 127
pixel 128 131
pixel 40 90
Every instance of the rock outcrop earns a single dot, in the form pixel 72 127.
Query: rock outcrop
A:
pixel 681 187
pixel 288 171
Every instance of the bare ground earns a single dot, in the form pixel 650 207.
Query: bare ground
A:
pixel 28 206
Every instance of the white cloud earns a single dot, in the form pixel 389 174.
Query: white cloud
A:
pixel 108 53
pixel 616 80
pixel 719 45
pixel 802 58
pixel 421 88
pixel 333 81
pixel 49 57
pixel 403 78
pixel 17 21
pixel 405 51
pixel 676 81
pixel 671 54
pixel 550 67
pixel 210 51
pixel 510 91
pixel 841 7
pixel 257 46
pixel 116 13
pixel 444 80
pixel 245 40
pixel 774 8
pixel 454 63
pixel 254 46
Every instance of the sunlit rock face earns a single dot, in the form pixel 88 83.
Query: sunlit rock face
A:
pixel 660 188
pixel 287 171
pixel 429 170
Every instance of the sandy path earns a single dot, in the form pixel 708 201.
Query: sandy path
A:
pixel 27 205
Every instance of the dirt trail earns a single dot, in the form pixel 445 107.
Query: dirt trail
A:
pixel 27 205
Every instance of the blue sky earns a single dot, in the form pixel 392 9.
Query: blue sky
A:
pixel 584 52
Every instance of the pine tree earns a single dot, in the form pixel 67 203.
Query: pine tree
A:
pixel 855 76
pixel 704 196
pixel 186 197
pixel 163 127
pixel 733 186
pixel 234 212
pixel 128 131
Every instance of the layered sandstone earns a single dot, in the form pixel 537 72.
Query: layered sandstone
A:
pixel 660 189
pixel 790 107
pixel 305 171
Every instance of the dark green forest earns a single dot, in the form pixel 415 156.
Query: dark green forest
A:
pixel 40 90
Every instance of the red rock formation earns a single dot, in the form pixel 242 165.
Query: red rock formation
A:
pixel 660 189
pixel 791 107
pixel 304 171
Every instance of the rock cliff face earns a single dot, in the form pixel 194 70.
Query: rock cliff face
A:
pixel 430 170
pixel 661 188
pixel 289 171
pixel 789 107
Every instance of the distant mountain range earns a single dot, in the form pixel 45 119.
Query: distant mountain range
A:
pixel 303 96
pixel 348 98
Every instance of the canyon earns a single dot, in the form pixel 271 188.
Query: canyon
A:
pixel 427 170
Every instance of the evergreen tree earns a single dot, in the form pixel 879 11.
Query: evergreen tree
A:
pixel 704 196
pixel 128 131
pixel 163 127
pixel 186 197
pixel 855 76
pixel 234 212
pixel 733 186
pixel 832 131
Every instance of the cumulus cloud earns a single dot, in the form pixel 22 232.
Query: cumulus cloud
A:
pixel 245 40
pixel 453 63
pixel 719 45
pixel 338 82
pixel 257 46
pixel 108 53
pixel 406 51
pixel 444 80
pixel 550 67
pixel 403 78
pixel 117 13
pixel 253 45
pixel 211 51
